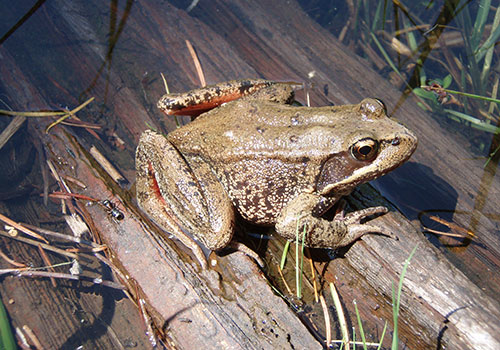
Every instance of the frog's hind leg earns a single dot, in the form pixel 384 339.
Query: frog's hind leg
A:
pixel 173 196
pixel 220 209
pixel 198 101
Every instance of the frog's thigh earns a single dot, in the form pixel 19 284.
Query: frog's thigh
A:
pixel 169 192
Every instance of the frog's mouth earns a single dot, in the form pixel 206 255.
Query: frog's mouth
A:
pixel 340 174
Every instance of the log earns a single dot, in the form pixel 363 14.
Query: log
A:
pixel 232 304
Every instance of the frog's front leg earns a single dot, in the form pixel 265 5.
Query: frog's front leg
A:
pixel 321 233
pixel 179 196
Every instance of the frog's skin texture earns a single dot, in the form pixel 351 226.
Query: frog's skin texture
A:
pixel 271 162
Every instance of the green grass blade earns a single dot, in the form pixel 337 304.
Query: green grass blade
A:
pixel 481 17
pixel 395 315
pixel 474 122
pixel 285 253
pixel 396 302
pixel 7 341
pixel 478 97
pixel 388 59
pixel 447 81
pixel 360 325
pixel 340 313
pixel 297 272
pixel 489 47
pixel 302 258
pixel 382 336
pixel 377 18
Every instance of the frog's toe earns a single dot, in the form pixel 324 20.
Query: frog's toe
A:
pixel 356 216
pixel 356 231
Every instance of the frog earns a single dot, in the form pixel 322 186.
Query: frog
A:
pixel 250 152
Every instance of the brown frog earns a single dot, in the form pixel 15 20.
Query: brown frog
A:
pixel 273 163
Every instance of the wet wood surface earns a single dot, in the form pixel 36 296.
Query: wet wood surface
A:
pixel 232 303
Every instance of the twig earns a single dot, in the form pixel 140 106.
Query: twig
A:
pixel 63 236
pixel 33 337
pixel 48 263
pixel 147 322
pixel 11 129
pixel 106 165
pixel 10 261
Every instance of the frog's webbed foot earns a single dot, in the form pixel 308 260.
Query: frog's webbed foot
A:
pixel 244 249
pixel 177 199
pixel 321 233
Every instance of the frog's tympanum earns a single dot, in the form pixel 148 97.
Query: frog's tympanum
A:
pixel 249 151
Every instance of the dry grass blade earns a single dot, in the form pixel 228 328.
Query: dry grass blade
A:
pixel 463 232
pixel 64 236
pixel 327 320
pixel 148 322
pixel 69 114
pixel 32 114
pixel 31 273
pixel 313 276
pixel 21 228
pixel 197 64
pixel 284 280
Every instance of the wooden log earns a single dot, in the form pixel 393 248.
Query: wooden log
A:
pixel 232 303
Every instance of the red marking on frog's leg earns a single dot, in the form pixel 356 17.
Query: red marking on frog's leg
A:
pixel 194 110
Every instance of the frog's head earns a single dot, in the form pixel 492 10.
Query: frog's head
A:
pixel 376 146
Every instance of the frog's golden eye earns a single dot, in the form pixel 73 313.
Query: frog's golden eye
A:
pixel 365 149
pixel 383 105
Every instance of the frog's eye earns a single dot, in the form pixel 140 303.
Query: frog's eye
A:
pixel 365 149
pixel 382 104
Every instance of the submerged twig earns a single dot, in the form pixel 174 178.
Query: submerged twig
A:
pixel 36 243
pixel 10 261
pixel 106 165
pixel 48 263
pixel 11 129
